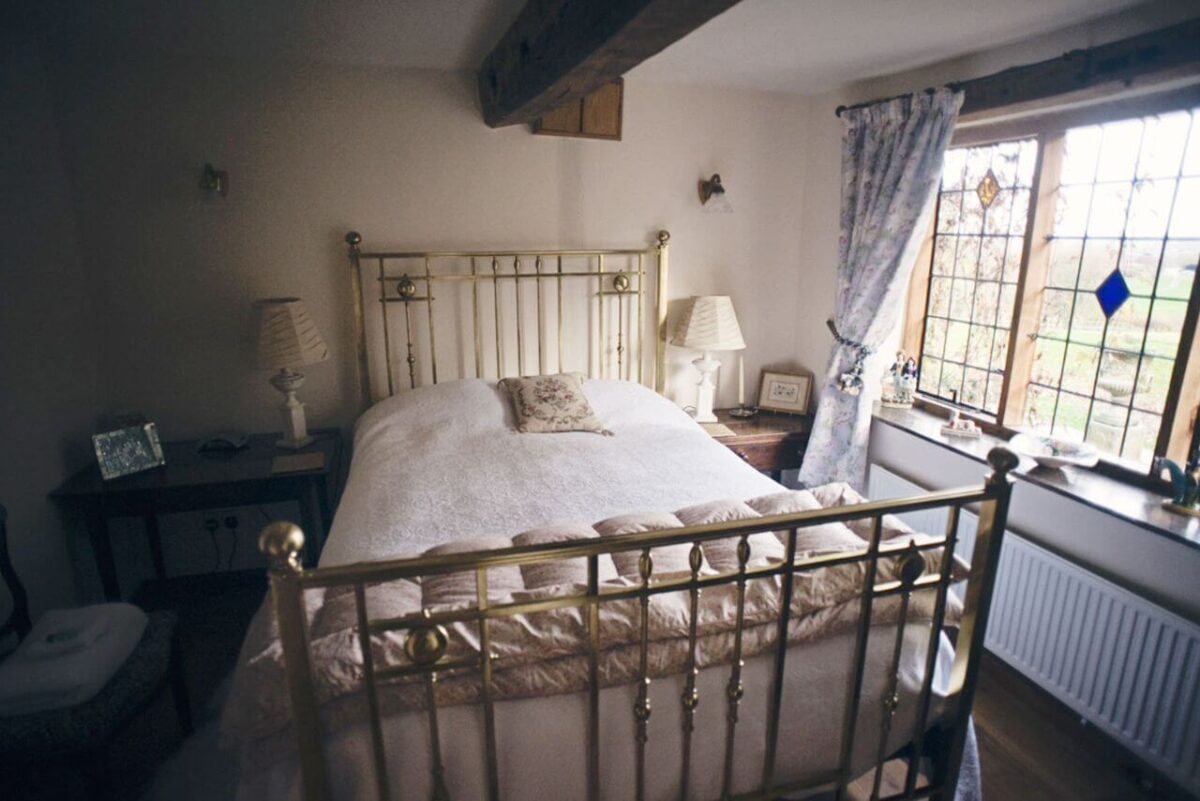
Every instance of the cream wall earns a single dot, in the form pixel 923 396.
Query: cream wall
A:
pixel 50 383
pixel 403 157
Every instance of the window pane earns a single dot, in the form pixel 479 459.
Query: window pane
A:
pixel 939 296
pixel 943 256
pixel 1119 148
pixel 1099 260
pixel 1166 323
pixel 948 213
pixel 1128 199
pixel 1141 437
pixel 1139 265
pixel 952 169
pixel 1185 221
pixel 991 258
pixel 1107 426
pixel 977 255
pixel 1080 153
pixel 1162 150
pixel 1179 268
pixel 1087 321
pixel 1106 217
pixel 1056 313
pixel 1048 359
pixel 1079 372
pixel 1071 416
pixel 1039 408
pixel 1150 208
pixel 1071 213
pixel 1064 262
pixel 1127 327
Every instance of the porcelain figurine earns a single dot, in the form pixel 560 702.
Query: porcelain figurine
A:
pixel 1185 486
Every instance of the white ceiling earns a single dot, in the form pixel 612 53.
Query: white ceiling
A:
pixel 813 46
pixel 803 46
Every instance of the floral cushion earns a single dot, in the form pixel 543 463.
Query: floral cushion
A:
pixel 545 403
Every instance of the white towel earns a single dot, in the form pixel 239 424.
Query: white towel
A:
pixel 68 657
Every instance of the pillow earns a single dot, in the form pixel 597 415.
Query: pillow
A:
pixel 545 403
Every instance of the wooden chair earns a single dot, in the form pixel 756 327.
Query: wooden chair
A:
pixel 83 733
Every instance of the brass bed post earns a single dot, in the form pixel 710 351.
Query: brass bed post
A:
pixel 660 313
pixel 282 544
pixel 354 239
pixel 964 675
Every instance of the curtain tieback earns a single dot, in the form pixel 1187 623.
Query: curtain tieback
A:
pixel 851 381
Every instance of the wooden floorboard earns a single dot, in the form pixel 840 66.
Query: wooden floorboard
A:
pixel 1031 747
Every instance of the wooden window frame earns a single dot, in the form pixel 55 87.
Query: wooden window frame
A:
pixel 1181 413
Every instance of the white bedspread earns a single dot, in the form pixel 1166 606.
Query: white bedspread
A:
pixel 444 462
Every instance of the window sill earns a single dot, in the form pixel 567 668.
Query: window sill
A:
pixel 1130 503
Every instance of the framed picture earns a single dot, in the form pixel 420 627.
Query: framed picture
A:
pixel 784 392
pixel 128 450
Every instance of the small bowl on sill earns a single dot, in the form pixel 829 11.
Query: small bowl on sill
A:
pixel 1054 453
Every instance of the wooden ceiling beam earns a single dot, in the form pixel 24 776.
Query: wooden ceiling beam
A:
pixel 558 51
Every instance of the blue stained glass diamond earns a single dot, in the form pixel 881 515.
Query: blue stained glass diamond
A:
pixel 1112 293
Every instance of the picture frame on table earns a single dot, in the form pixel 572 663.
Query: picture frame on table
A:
pixel 788 393
pixel 128 450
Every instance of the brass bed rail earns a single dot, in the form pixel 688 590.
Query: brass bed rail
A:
pixel 426 641
pixel 631 281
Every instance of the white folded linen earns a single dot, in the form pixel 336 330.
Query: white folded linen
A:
pixel 68 657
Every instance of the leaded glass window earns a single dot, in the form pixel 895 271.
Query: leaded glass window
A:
pixel 1128 213
pixel 983 206
pixel 1102 336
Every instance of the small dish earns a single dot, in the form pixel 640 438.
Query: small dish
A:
pixel 1054 453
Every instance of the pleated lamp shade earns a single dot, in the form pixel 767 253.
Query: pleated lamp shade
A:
pixel 287 336
pixel 709 323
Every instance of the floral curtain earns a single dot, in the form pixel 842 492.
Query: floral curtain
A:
pixel 891 163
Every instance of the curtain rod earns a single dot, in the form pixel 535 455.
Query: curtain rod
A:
pixel 954 87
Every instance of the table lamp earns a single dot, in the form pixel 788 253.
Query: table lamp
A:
pixel 287 339
pixel 709 324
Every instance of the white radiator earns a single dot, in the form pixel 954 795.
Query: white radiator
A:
pixel 1125 665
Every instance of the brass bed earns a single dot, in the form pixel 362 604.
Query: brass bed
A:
pixel 615 313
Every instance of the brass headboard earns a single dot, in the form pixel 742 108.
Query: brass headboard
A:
pixel 612 317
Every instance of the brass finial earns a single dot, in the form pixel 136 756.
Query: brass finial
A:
pixel 621 283
pixel 1002 460
pixel 353 239
pixel 911 566
pixel 663 237
pixel 426 644
pixel 282 544
pixel 406 287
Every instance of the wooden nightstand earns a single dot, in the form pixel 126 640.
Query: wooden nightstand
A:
pixel 769 442
pixel 191 481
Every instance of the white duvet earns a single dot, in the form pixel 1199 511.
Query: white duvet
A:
pixel 445 462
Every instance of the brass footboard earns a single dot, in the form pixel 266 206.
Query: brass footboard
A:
pixel 426 639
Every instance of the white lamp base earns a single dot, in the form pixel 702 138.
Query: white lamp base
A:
pixel 295 427
pixel 706 389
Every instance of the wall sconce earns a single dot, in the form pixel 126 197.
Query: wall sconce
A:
pixel 712 196
pixel 214 180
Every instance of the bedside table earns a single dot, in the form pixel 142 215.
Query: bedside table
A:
pixel 191 481
pixel 768 441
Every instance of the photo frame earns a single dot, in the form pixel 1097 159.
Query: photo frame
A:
pixel 128 450
pixel 784 392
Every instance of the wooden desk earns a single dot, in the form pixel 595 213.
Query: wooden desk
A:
pixel 191 481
